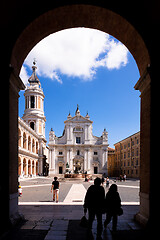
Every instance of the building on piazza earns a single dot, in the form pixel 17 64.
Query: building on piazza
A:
pixel 78 150
pixel 127 156
pixel 32 150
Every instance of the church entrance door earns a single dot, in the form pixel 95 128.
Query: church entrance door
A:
pixel 60 170
pixel 95 170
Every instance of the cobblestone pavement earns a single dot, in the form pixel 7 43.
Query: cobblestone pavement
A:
pixel 61 222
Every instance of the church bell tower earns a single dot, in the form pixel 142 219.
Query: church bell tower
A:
pixel 34 104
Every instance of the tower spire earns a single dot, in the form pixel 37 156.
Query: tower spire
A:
pixel 33 78
pixel 77 110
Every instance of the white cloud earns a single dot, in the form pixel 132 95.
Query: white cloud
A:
pixel 77 53
pixel 117 56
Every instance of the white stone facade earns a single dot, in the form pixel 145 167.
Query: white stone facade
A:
pixel 78 150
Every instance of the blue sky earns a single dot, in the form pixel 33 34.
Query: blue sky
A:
pixel 90 68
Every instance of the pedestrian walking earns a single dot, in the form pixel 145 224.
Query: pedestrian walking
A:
pixel 55 188
pixel 107 182
pixel 94 202
pixel 112 206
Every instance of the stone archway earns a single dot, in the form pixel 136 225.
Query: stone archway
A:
pixel 80 16
pixel 105 20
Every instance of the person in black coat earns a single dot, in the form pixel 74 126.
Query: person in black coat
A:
pixel 112 206
pixel 94 202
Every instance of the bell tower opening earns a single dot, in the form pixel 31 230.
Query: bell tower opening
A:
pixel 32 102
pixel 32 125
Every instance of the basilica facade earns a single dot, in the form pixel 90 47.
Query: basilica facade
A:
pixel 78 150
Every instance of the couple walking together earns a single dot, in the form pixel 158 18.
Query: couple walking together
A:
pixel 96 203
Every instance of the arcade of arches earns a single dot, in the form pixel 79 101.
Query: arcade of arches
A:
pixel 28 24
pixel 28 146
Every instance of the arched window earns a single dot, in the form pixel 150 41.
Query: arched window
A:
pixel 32 125
pixel 24 140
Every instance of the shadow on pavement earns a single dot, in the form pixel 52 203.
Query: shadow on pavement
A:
pixel 75 231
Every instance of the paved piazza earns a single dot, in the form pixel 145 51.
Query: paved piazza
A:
pixel 37 191
pixel 60 221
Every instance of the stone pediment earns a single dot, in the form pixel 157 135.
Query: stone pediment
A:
pixel 78 119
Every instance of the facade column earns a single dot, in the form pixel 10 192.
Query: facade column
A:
pixel 26 167
pixel 21 167
pixel 102 158
pixel 86 129
pixel 51 161
pixel 40 165
pixel 34 169
pixel 40 159
pixel 144 86
pixel 71 159
pixel 69 134
pixel 68 157
pixel 85 162
pixel 106 161
pixel 87 159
